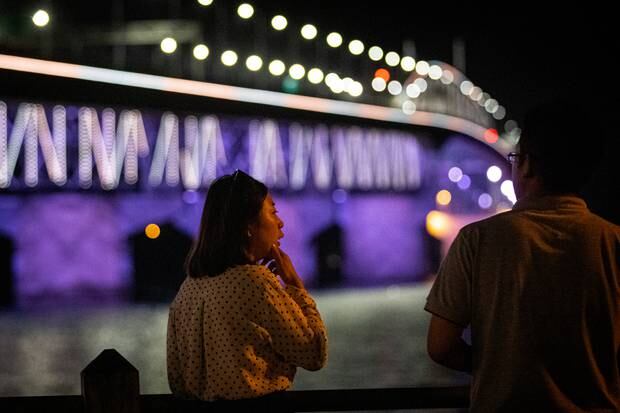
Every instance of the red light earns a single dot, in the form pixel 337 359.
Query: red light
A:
pixel 384 74
pixel 491 136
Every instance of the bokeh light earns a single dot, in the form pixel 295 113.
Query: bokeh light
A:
pixel 308 31
pixel 276 67
pixel 168 45
pixel 485 201
pixel 201 52
pixel 152 231
pixel 356 47
pixel 334 39
pixel 383 73
pixel 455 174
pixel 494 173
pixel 279 22
pixel 438 224
pixel 443 197
pixel 245 10
pixel 464 183
pixel 41 18
pixel 229 58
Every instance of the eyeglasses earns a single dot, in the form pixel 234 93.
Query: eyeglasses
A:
pixel 513 156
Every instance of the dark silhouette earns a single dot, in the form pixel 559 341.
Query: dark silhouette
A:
pixel 538 285
pixel 7 288
pixel 329 256
pixel 158 263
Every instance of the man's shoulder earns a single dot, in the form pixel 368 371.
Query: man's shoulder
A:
pixel 500 220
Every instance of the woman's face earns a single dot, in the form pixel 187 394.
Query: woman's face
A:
pixel 266 231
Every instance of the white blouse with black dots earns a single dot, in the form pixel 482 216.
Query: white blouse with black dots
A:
pixel 240 335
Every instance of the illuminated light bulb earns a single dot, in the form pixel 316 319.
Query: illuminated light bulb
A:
pixel 315 75
pixel 279 22
pixel 421 84
pixel 455 174
pixel 337 86
pixel 254 63
pixel 500 113
pixel 491 136
pixel 407 63
pixel 383 73
pixel 356 47
pixel 494 173
pixel 438 224
pixel 375 53
pixel 491 106
pixel 346 83
pixel 394 87
pixel 331 79
pixel 168 45
pixel 485 201
pixel 392 59
pixel 277 67
pixel 443 197
pixel 484 98
pixel 229 58
pixel 412 90
pixel 510 125
pixel 464 183
pixel 447 77
pixel 508 190
pixel 308 31
pixel 201 52
pixel 435 72
pixel 245 10
pixel 152 231
pixel 422 68
pixel 297 71
pixel 466 87
pixel 378 84
pixel 355 89
pixel 41 18
pixel 205 2
pixel 475 94
pixel 408 107
pixel 334 39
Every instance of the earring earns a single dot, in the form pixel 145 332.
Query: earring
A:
pixel 249 234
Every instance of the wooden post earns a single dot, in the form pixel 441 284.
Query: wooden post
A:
pixel 110 384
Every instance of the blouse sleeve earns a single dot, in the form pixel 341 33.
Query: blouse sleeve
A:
pixel 292 320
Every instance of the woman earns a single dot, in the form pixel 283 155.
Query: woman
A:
pixel 234 331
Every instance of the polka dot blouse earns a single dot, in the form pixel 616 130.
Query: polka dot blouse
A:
pixel 241 335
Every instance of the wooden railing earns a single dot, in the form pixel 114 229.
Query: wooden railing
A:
pixel 110 384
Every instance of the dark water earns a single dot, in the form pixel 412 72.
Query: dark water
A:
pixel 376 339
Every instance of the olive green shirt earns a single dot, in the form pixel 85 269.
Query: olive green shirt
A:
pixel 539 287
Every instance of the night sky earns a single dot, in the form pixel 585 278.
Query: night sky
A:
pixel 519 53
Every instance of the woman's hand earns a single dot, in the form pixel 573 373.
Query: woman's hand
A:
pixel 281 265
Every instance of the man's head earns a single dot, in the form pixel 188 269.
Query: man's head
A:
pixel 559 148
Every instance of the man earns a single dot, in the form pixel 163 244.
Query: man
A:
pixel 539 286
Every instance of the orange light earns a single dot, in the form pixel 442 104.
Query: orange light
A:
pixel 152 231
pixel 438 224
pixel 490 135
pixel 443 197
pixel 384 74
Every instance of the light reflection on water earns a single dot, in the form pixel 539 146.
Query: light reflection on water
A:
pixel 376 339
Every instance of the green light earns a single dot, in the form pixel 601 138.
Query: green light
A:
pixel 290 85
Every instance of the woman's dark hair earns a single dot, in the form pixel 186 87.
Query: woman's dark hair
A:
pixel 233 202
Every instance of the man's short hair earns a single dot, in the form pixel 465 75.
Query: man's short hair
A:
pixel 564 142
